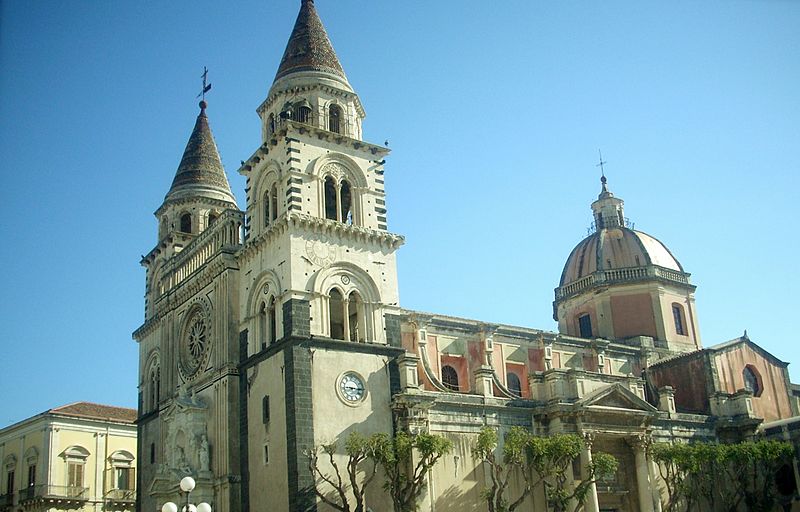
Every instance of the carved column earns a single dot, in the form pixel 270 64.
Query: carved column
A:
pixel 639 445
pixel 591 504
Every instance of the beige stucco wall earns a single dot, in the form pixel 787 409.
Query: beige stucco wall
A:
pixel 268 482
pixel 51 436
pixel 334 419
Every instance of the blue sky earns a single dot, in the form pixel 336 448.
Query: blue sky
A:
pixel 494 114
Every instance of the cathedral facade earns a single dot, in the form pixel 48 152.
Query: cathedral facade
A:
pixel 276 329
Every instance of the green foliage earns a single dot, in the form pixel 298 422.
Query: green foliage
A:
pixel 540 461
pixel 406 460
pixel 711 476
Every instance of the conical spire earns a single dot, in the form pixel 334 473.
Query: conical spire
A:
pixel 309 48
pixel 200 173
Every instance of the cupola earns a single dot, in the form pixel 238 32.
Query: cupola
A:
pixel 621 283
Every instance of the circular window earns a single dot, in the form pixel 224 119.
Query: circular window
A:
pixel 194 344
pixel 351 388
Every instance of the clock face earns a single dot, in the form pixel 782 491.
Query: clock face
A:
pixel 351 388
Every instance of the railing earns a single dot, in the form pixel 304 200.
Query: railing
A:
pixel 224 232
pixel 121 495
pixel 54 491
pixel 621 275
pixel 6 500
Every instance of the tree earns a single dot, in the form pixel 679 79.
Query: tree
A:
pixel 360 450
pixel 719 477
pixel 552 460
pixel 549 458
pixel 516 460
pixel 405 479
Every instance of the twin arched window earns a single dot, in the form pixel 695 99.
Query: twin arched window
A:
pixel 338 200
pixel 346 316
pixel 267 323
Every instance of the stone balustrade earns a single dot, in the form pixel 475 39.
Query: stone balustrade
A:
pixel 621 275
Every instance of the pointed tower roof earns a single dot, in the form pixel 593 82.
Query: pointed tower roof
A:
pixel 200 173
pixel 309 48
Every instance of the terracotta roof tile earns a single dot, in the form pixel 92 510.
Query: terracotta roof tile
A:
pixel 96 411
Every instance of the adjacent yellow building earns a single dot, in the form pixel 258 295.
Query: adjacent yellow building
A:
pixel 80 456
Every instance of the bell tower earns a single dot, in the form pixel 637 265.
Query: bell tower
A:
pixel 188 383
pixel 319 327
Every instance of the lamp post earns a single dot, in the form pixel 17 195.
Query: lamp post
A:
pixel 187 486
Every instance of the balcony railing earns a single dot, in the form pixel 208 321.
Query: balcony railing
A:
pixel 121 495
pixel 621 275
pixel 6 500
pixel 63 492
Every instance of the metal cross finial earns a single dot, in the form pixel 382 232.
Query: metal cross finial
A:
pixel 601 164
pixel 206 85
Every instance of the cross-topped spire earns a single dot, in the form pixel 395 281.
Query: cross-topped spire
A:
pixel 206 87
pixel 603 179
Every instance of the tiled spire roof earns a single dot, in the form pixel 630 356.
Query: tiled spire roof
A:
pixel 200 171
pixel 309 48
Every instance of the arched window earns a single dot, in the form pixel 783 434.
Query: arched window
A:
pixel 273 321
pixel 677 316
pixel 301 112
pixel 513 383
pixel 355 317
pixel 336 311
pixel 752 380
pixel 266 209
pixel 266 323
pixel 273 202
pixel 334 118
pixel 212 218
pixel 330 198
pixel 186 223
pixel 271 124
pixel 450 377
pixel 347 203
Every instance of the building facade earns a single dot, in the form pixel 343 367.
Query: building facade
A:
pixel 75 457
pixel 278 328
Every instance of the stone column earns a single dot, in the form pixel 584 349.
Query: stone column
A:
pixel 591 504
pixel 346 315
pixel 642 475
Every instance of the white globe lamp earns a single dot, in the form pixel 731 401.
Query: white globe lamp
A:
pixel 187 484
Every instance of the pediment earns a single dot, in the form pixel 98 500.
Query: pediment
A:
pixel 615 396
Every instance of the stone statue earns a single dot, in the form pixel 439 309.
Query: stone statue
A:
pixel 204 453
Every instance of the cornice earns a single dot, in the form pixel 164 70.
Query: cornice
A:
pixel 295 89
pixel 298 223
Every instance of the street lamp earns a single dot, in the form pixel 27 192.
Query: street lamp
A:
pixel 187 486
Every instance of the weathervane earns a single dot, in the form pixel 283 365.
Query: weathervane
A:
pixel 206 85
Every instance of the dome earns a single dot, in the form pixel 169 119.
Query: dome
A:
pixel 615 248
